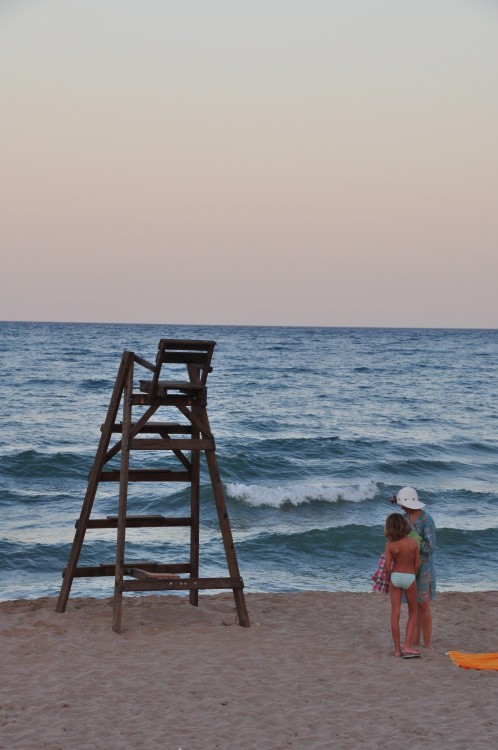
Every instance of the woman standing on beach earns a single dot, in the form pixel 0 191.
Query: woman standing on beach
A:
pixel 422 523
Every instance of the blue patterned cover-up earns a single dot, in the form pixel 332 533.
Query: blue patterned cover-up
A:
pixel 426 576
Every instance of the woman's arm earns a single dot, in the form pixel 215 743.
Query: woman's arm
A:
pixel 428 537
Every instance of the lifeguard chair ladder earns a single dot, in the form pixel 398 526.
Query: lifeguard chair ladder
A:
pixel 189 397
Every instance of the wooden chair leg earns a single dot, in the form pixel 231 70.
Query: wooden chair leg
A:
pixel 93 482
pixel 123 502
pixel 226 533
pixel 195 516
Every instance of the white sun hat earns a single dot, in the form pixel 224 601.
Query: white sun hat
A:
pixel 408 498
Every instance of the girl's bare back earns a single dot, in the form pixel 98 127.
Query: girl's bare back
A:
pixel 405 555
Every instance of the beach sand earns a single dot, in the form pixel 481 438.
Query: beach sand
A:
pixel 315 670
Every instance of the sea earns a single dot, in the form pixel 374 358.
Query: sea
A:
pixel 315 429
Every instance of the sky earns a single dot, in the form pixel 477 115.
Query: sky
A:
pixel 271 162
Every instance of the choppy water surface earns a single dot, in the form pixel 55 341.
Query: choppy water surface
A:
pixel 315 429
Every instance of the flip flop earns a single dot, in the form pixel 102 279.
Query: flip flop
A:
pixel 411 655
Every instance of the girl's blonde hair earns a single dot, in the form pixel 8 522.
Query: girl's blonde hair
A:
pixel 397 527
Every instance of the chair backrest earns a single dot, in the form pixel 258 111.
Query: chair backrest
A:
pixel 194 355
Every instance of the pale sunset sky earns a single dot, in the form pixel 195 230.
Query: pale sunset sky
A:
pixel 259 162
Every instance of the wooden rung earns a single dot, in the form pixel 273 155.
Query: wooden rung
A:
pixel 157 428
pixel 155 567
pixel 158 444
pixel 111 522
pixel 147 475
pixel 179 584
pixel 109 569
pixel 142 399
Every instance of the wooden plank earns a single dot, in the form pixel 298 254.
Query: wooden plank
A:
pixel 147 475
pixel 195 499
pixel 168 356
pixel 164 444
pixel 144 363
pixel 111 522
pixel 226 533
pixel 109 569
pixel 146 385
pixel 197 418
pixel 187 344
pixel 183 460
pixel 186 584
pixel 123 501
pixel 160 568
pixel 163 386
pixel 141 399
pixel 157 428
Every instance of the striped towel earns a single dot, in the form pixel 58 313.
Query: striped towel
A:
pixel 379 577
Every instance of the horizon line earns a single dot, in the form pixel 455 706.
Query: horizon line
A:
pixel 256 325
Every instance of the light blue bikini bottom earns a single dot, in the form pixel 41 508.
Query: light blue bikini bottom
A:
pixel 402 580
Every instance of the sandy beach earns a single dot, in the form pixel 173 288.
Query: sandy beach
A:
pixel 315 670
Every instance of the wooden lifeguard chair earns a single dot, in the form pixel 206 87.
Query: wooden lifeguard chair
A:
pixel 185 440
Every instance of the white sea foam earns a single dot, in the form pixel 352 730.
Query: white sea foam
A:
pixel 298 494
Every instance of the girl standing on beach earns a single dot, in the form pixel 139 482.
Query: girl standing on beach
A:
pixel 422 523
pixel 402 562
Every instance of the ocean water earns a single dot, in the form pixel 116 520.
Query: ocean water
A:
pixel 315 429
